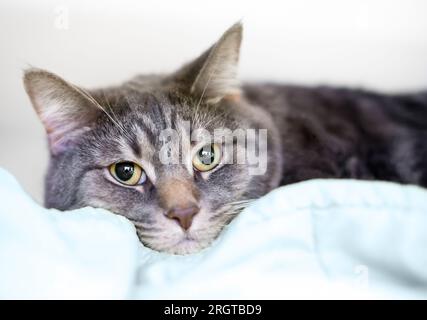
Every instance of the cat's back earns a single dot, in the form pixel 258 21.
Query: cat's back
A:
pixel 326 102
pixel 347 133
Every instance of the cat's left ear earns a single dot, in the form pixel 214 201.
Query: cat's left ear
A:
pixel 213 75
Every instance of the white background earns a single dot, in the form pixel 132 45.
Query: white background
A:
pixel 380 44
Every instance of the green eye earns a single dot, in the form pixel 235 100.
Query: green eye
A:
pixel 207 157
pixel 128 173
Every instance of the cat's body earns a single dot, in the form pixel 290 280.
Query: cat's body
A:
pixel 342 133
pixel 107 146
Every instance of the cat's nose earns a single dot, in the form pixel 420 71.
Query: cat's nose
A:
pixel 184 216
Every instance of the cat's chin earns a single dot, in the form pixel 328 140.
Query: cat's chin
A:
pixel 185 245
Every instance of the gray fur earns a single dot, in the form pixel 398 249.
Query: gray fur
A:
pixel 312 133
pixel 125 122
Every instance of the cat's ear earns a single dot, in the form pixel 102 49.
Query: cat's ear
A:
pixel 65 110
pixel 213 75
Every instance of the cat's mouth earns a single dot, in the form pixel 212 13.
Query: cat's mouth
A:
pixel 176 243
pixel 186 245
pixel 187 240
pixel 168 236
pixel 188 237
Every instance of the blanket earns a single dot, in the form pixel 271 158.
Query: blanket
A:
pixel 314 239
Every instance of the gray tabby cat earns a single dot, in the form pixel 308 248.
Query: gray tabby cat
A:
pixel 105 144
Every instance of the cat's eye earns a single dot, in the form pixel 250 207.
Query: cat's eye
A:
pixel 128 173
pixel 207 157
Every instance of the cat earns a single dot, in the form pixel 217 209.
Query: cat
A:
pixel 105 143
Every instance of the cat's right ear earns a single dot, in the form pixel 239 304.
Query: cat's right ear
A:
pixel 65 110
pixel 213 75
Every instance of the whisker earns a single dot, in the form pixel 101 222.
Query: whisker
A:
pixel 96 104
pixel 92 99
pixel 208 80
pixel 204 89
pixel 117 122
pixel 144 225
pixel 230 210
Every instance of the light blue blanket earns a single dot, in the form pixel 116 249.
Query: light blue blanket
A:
pixel 316 239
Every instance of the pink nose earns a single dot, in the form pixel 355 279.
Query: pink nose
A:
pixel 184 216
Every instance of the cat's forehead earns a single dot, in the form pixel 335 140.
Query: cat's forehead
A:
pixel 158 111
pixel 137 124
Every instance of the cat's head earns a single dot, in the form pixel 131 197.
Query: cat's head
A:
pixel 147 149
